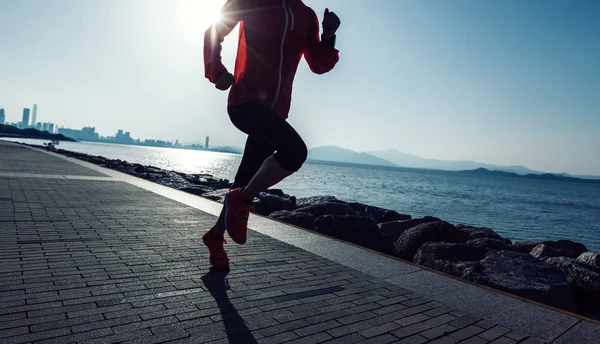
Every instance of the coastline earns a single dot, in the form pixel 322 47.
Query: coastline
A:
pixel 560 273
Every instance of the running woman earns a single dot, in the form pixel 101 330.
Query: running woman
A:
pixel 273 37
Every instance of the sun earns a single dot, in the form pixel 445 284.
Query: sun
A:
pixel 209 11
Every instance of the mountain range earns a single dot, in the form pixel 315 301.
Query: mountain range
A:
pixel 395 158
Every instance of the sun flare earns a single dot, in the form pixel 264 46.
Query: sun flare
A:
pixel 209 11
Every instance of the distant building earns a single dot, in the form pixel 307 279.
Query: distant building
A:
pixel 38 126
pixel 34 116
pixel 2 116
pixel 89 134
pixel 206 144
pixel 124 138
pixel 45 127
pixel 51 128
pixel 25 120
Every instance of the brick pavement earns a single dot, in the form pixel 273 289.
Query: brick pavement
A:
pixel 89 261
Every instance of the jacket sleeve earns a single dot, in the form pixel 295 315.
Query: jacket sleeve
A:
pixel 231 14
pixel 321 56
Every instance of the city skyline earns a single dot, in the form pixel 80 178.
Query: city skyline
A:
pixel 501 82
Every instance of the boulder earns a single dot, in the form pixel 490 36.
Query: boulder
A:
pixel 479 232
pixel 378 214
pixel 217 195
pixel 560 248
pixel 206 180
pixel 267 203
pixel 198 190
pixel 171 179
pixel 276 192
pixel 327 208
pixel 308 201
pixel 432 252
pixel 590 258
pixel 566 248
pixel 491 244
pixel 356 229
pixel 384 215
pixel 296 218
pixel 520 274
pixel 584 282
pixel 527 246
pixel 138 169
pixel 412 239
pixel 393 229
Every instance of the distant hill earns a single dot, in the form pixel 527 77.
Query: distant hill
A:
pixel 337 154
pixel 544 176
pixel 10 131
pixel 409 160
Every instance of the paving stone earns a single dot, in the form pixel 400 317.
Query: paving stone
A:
pixel 474 340
pixel 493 332
pixel 413 319
pixel 532 340
pixel 503 340
pixel 444 340
pixel 279 338
pixel 349 339
pixel 438 331
pixel 467 332
pixel 349 329
pixel 288 326
pixel 383 339
pixel 464 321
pixel 515 335
pixel 315 338
pixel 416 339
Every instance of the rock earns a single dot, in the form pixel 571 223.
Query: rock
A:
pixel 208 180
pixel 491 244
pixel 217 195
pixel 479 232
pixel 327 208
pixel 268 203
pixel 520 274
pixel 297 218
pixel 392 230
pixel 276 192
pixel 378 214
pixel 412 239
pixel 583 280
pixel 590 258
pixel 171 180
pixel 560 248
pixel 356 229
pixel 308 201
pixel 198 190
pixel 97 161
pixel 431 252
pixel 566 248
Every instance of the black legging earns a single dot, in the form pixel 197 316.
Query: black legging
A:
pixel 267 133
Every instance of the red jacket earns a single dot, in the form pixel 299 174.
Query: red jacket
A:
pixel 274 35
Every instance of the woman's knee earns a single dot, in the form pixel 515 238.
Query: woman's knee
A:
pixel 293 157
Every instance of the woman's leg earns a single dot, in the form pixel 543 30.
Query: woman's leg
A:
pixel 256 152
pixel 291 152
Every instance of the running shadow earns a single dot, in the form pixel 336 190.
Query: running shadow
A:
pixel 217 284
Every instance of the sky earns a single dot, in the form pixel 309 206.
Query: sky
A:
pixel 507 82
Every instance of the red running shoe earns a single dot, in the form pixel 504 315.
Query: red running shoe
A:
pixel 236 216
pixel 218 256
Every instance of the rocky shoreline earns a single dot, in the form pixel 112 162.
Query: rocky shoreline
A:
pixel 562 274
